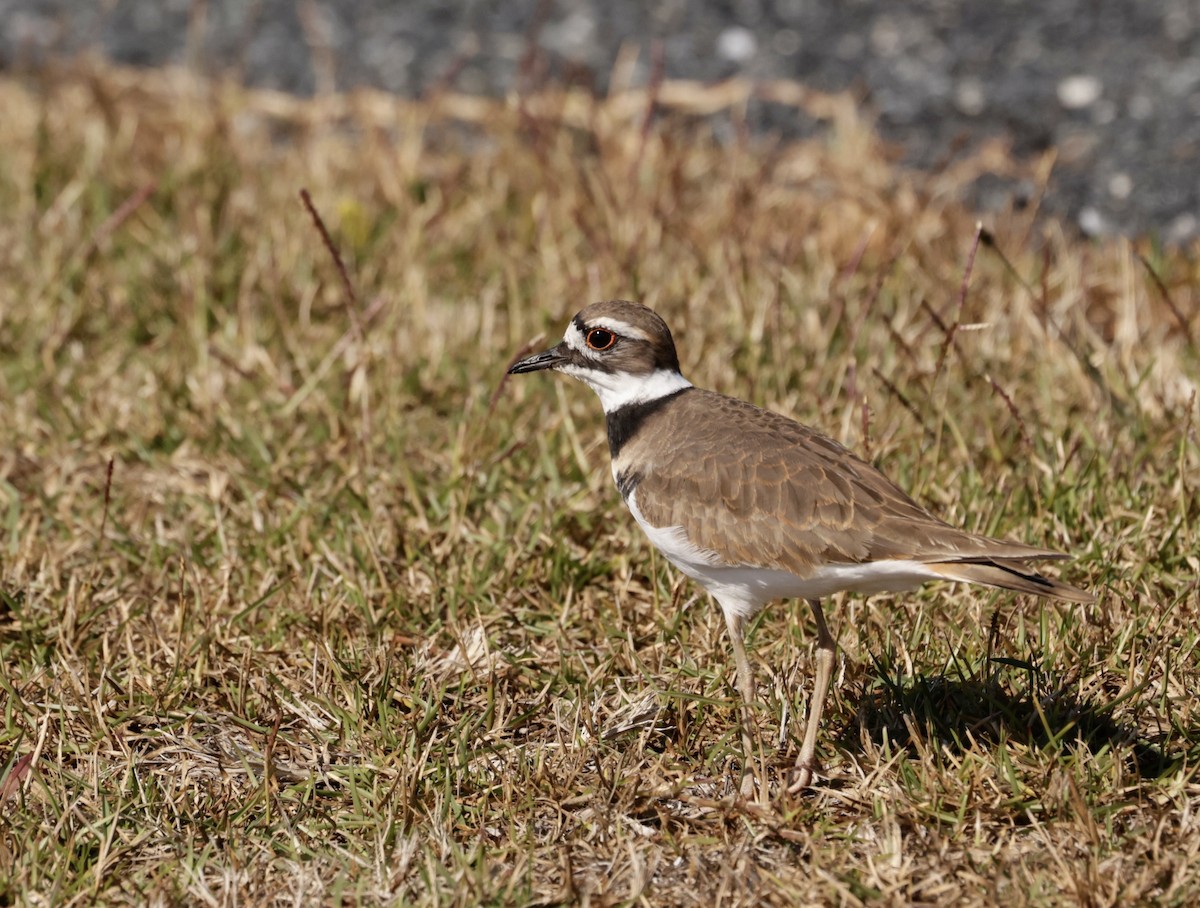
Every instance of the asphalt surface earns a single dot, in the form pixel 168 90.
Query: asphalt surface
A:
pixel 1114 85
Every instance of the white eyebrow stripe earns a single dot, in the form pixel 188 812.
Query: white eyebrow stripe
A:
pixel 617 326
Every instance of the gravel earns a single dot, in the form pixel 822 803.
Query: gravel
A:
pixel 1114 85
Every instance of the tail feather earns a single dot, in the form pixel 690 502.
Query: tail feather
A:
pixel 1008 575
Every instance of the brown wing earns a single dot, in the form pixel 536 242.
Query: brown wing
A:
pixel 767 491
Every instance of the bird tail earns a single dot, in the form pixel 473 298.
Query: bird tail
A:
pixel 1009 575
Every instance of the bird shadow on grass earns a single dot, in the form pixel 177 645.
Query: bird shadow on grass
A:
pixel 1005 700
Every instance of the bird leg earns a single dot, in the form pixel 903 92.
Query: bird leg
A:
pixel 806 763
pixel 745 685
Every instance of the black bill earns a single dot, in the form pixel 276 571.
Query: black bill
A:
pixel 545 360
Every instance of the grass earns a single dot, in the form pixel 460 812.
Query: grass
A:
pixel 301 603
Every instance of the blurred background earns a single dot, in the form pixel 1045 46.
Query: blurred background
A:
pixel 1112 86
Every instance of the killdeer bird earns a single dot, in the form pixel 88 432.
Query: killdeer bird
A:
pixel 754 506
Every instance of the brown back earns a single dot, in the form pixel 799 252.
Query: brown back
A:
pixel 760 489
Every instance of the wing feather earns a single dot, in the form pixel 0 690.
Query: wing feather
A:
pixel 791 498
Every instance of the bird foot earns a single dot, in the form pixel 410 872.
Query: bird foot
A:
pixel 802 777
pixel 749 790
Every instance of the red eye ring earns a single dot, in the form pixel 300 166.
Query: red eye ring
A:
pixel 600 338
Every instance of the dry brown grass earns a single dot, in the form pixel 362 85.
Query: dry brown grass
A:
pixel 357 623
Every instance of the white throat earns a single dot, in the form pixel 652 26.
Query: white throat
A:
pixel 619 389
